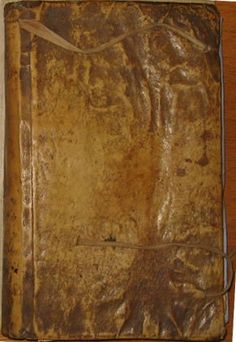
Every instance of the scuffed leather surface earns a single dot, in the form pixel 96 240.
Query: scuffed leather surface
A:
pixel 122 145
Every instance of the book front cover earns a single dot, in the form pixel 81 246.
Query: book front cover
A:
pixel 116 141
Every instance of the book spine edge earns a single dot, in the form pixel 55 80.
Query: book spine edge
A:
pixel 18 270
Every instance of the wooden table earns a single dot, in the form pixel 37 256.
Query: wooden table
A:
pixel 228 12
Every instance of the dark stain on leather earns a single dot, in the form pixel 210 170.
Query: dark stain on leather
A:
pixel 30 4
pixel 203 161
pixel 7 295
pixel 207 135
pixel 49 312
pixel 202 30
pixel 21 9
pixel 143 294
pixel 92 16
pixel 27 307
pixel 25 60
pixel 26 46
pixel 105 315
pixel 58 19
pixel 26 217
pixel 155 15
pixel 211 58
pixel 180 172
pixel 188 160
pixel 25 80
pixel 186 17
pixel 75 321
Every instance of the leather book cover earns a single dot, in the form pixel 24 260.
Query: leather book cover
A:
pixel 113 175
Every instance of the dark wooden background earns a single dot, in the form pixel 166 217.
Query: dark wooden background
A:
pixel 228 12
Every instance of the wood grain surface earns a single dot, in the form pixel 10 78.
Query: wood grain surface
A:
pixel 228 12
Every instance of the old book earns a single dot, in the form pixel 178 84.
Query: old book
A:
pixel 113 177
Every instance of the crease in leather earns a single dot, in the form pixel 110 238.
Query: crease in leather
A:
pixel 40 30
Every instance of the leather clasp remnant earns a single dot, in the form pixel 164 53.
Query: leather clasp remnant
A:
pixel 42 31
pixel 214 251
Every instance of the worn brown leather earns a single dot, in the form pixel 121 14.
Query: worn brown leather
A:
pixel 121 145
